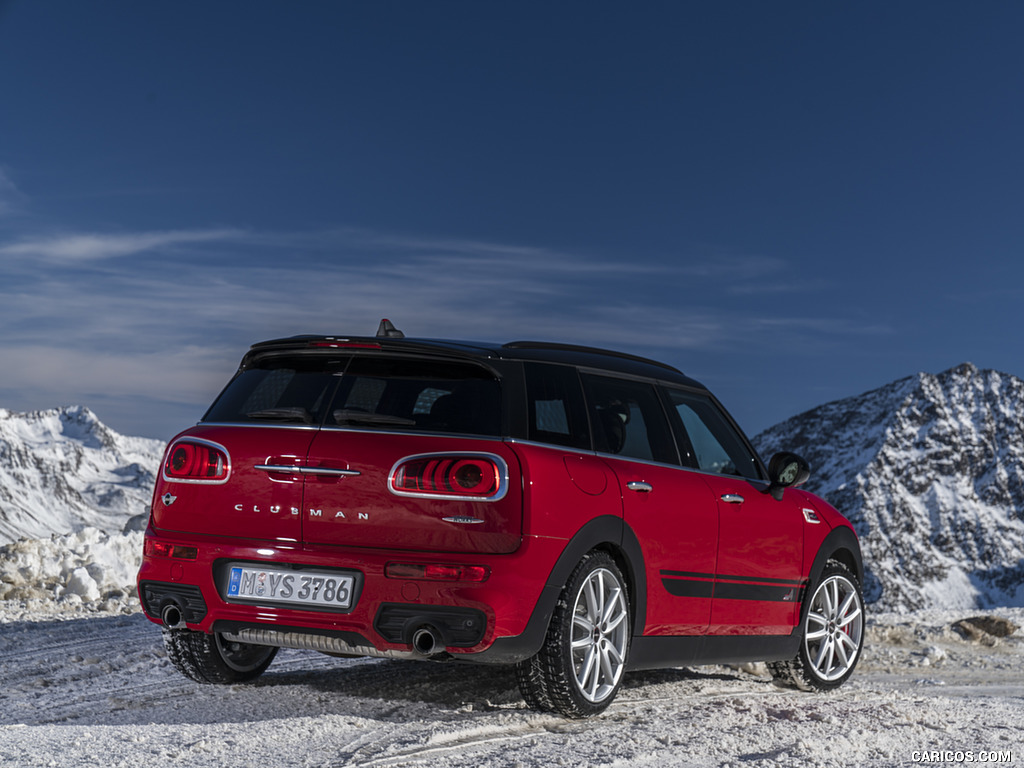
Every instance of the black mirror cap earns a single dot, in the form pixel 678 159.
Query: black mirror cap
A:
pixel 786 470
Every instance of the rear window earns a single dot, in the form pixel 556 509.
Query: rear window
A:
pixel 290 390
pixel 420 395
pixel 364 392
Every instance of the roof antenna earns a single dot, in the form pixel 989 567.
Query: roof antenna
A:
pixel 387 330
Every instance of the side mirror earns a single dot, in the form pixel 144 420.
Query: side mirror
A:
pixel 786 470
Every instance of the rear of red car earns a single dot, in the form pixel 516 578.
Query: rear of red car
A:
pixel 347 497
pixel 573 511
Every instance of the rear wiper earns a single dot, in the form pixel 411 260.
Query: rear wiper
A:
pixel 291 413
pixel 346 416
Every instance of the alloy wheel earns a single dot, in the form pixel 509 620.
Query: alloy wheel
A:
pixel 600 634
pixel 834 628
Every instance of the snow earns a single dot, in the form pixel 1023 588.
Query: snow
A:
pixel 83 571
pixel 84 681
pixel 63 470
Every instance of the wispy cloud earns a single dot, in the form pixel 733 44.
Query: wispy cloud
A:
pixel 164 316
pixel 11 198
pixel 92 247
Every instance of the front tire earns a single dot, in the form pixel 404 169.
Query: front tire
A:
pixel 578 671
pixel 833 633
pixel 214 659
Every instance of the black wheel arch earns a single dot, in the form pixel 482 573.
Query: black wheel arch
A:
pixel 841 544
pixel 608 533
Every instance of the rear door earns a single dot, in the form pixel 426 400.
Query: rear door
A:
pixel 410 457
pixel 671 510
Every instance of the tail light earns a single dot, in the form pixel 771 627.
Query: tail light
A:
pixel 197 461
pixel 437 572
pixel 152 548
pixel 462 476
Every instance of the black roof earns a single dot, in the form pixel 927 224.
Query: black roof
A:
pixel 540 351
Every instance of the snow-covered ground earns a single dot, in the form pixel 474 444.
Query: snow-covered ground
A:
pixel 84 682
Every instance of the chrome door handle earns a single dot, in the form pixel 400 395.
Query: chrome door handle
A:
pixel 640 487
pixel 732 498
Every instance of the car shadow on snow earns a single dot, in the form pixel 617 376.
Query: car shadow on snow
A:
pixel 438 687
pixel 112 670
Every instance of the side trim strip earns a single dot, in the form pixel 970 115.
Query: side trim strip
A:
pixel 723 577
pixel 721 587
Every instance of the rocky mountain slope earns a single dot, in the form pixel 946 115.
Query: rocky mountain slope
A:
pixel 930 470
pixel 62 470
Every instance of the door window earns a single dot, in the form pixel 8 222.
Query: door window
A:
pixel 628 420
pixel 711 442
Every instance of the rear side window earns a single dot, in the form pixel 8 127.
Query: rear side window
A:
pixel 279 389
pixel 418 395
pixel 557 413
pixel 628 419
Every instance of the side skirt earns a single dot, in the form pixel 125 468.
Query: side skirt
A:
pixel 649 652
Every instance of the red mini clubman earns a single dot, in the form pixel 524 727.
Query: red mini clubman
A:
pixel 574 512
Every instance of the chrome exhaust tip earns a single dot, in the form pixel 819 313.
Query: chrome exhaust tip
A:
pixel 425 641
pixel 172 617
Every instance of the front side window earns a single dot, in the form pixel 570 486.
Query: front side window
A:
pixel 712 442
pixel 628 420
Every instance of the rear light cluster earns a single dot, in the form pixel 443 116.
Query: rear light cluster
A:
pixel 152 548
pixel 474 477
pixel 197 461
pixel 437 572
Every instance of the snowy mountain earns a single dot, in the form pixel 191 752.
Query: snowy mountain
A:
pixel 930 470
pixel 62 470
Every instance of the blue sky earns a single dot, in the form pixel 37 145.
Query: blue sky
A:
pixel 792 202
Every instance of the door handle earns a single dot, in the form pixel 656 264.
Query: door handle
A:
pixel 640 487
pixel 731 498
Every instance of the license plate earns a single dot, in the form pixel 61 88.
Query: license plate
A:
pixel 323 590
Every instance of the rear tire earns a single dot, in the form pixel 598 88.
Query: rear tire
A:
pixel 214 659
pixel 833 633
pixel 578 671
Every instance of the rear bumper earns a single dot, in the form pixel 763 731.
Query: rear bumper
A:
pixel 489 621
